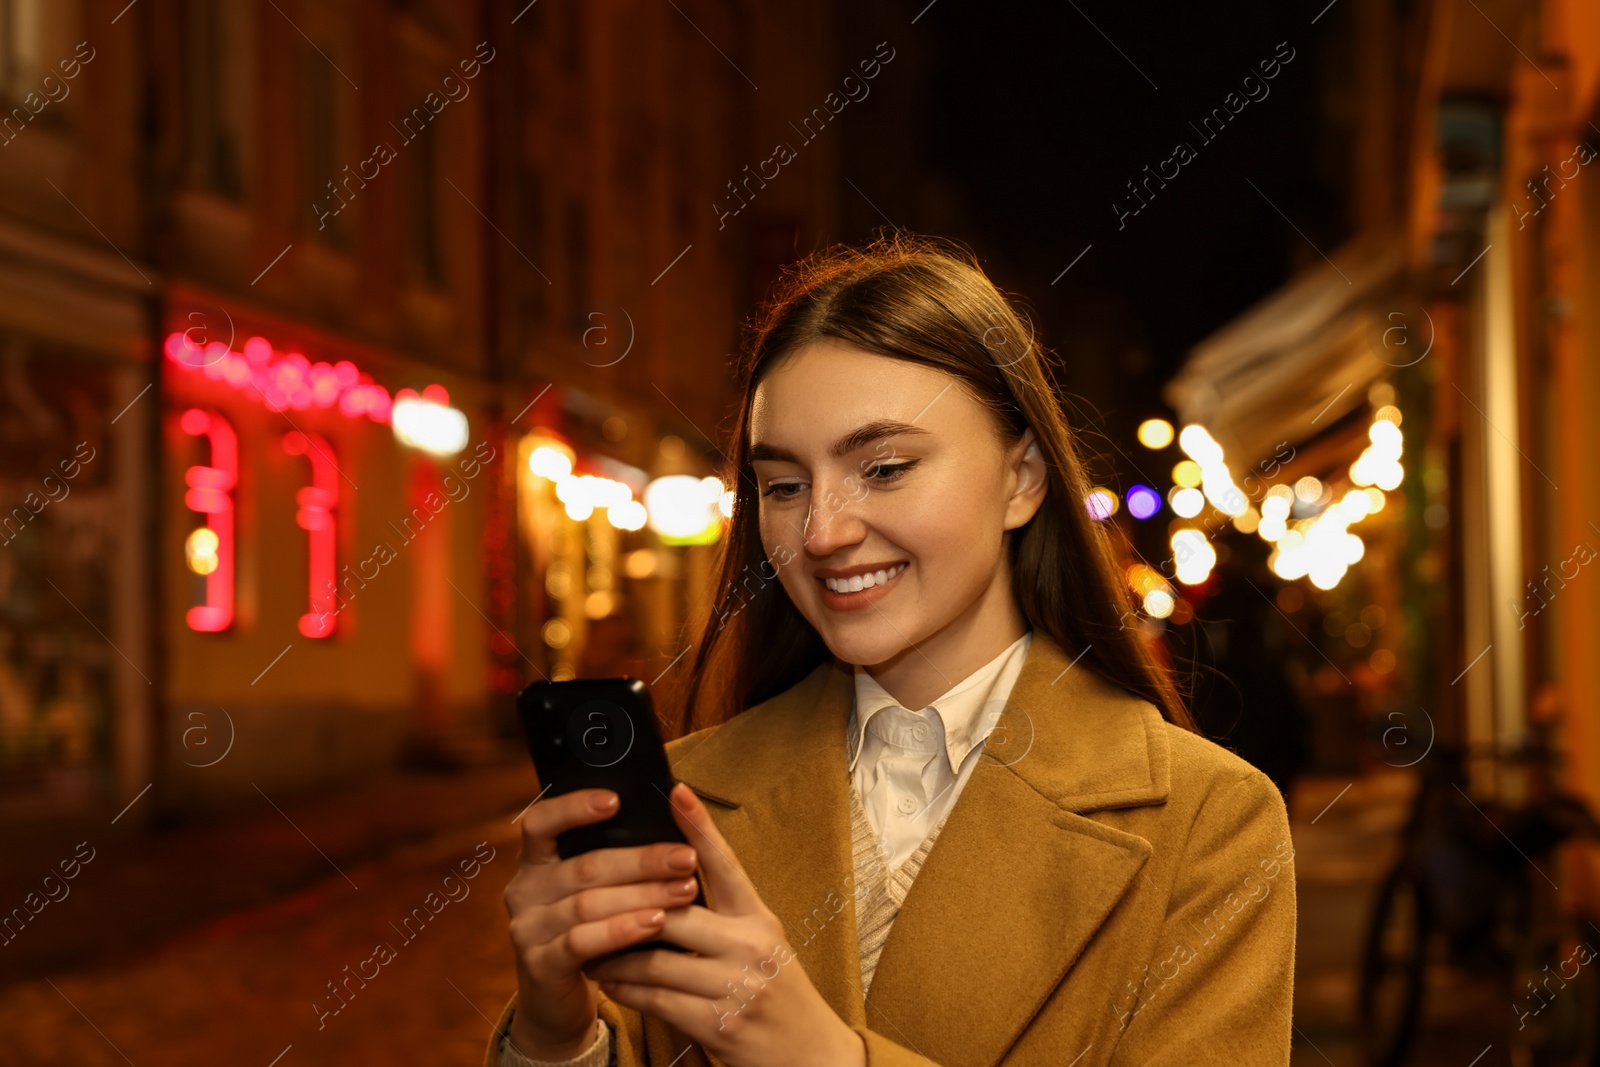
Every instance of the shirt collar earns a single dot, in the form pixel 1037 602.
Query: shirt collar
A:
pixel 960 709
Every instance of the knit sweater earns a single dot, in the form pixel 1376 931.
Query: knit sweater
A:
pixel 879 894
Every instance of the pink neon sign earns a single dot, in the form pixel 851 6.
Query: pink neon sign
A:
pixel 315 515
pixel 280 381
pixel 284 380
pixel 210 493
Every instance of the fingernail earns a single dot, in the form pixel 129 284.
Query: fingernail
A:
pixel 605 803
pixel 685 886
pixel 654 919
pixel 681 859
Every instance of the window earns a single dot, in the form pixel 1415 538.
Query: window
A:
pixel 38 63
pixel 530 17
pixel 577 257
pixel 572 40
pixel 19 47
pixel 320 122
pixel 216 72
pixel 424 208
pixel 530 241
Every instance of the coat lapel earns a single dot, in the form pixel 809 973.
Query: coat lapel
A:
pixel 1011 891
pixel 776 777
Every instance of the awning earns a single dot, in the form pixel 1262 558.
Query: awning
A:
pixel 1292 365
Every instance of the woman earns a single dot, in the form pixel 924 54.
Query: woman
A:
pixel 910 532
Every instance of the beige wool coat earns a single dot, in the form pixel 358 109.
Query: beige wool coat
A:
pixel 1108 889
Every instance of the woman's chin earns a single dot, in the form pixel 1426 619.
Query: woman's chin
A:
pixel 873 642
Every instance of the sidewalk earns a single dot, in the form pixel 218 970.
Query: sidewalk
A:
pixel 1346 835
pixel 148 889
pixel 258 987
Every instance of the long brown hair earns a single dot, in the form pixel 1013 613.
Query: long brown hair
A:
pixel 925 300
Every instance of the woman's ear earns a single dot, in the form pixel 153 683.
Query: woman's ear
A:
pixel 1032 480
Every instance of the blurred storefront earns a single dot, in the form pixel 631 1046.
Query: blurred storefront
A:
pixel 322 551
pixel 1304 395
pixel 616 519
pixel 299 299
pixel 76 656
pixel 1465 313
pixel 366 566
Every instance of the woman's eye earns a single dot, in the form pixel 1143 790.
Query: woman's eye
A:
pixel 883 473
pixel 875 474
pixel 778 489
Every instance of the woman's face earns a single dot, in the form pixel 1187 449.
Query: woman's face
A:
pixel 867 464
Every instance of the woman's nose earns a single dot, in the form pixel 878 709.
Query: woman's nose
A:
pixel 832 522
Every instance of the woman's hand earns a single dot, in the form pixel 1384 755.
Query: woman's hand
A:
pixel 566 912
pixel 743 995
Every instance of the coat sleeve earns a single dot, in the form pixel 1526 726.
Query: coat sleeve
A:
pixel 1220 987
pixel 625 1037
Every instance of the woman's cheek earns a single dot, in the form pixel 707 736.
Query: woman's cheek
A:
pixel 954 540
pixel 783 556
pixel 921 522
pixel 794 588
pixel 776 548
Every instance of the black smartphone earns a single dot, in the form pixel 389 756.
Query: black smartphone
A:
pixel 602 733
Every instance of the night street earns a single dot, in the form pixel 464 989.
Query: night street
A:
pixel 1041 466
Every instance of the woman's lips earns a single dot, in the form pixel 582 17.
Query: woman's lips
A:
pixel 862 600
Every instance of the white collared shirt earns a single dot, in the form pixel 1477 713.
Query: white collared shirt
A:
pixel 909 766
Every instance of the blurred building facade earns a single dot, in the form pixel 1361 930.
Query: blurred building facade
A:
pixel 1462 312
pixel 293 294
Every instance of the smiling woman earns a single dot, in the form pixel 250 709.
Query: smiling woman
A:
pixel 941 407
pixel 935 717
pixel 930 527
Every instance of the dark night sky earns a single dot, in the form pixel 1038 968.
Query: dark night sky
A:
pixel 1022 125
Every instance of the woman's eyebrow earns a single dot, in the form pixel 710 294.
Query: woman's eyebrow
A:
pixel 860 437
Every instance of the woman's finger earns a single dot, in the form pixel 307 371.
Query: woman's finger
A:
pixel 680 1009
pixel 571 949
pixel 707 932
pixel 544 819
pixel 725 880
pixel 602 902
pixel 697 975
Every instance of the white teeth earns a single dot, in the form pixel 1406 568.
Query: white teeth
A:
pixel 862 581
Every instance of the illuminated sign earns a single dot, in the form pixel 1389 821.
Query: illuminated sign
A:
pixel 285 381
pixel 209 549
pixel 428 421
pixel 315 515
pixel 288 380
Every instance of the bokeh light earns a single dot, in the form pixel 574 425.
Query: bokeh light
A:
pixel 1143 501
pixel 1155 433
